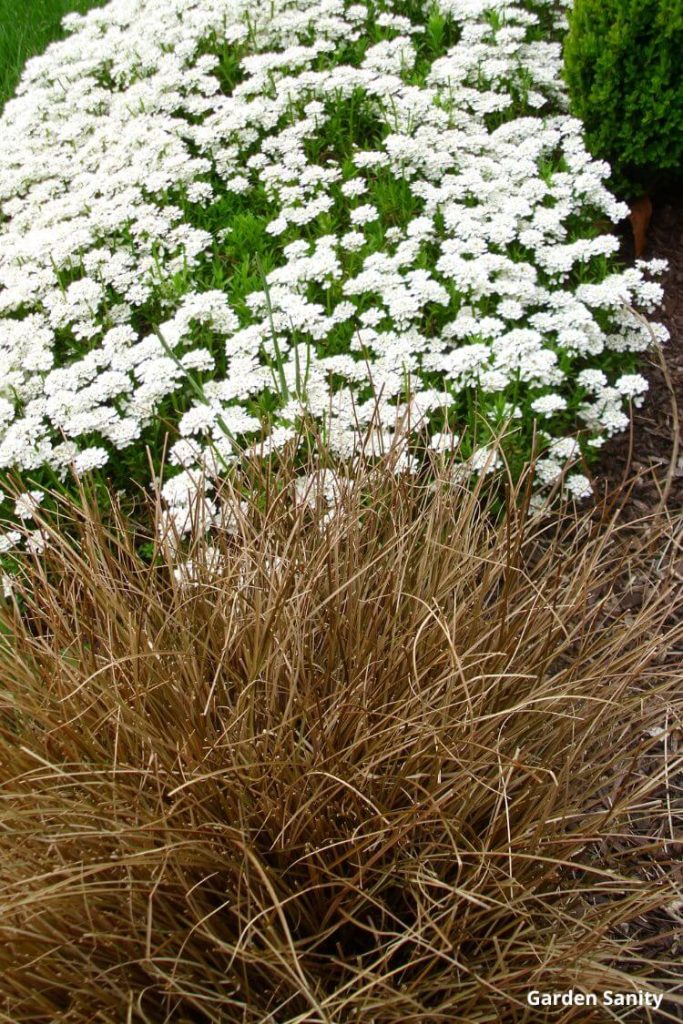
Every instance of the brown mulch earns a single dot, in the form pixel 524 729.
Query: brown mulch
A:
pixel 645 469
pixel 646 453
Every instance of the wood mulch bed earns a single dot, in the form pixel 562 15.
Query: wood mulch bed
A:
pixel 646 453
pixel 644 470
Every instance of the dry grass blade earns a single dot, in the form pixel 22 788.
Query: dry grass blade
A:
pixel 376 763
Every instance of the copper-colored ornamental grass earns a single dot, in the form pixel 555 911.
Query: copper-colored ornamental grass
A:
pixel 384 766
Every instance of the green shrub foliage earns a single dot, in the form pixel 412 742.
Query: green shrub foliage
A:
pixel 624 68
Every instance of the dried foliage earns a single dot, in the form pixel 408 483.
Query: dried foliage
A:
pixel 379 762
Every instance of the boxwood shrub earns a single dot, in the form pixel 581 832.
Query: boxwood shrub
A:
pixel 624 69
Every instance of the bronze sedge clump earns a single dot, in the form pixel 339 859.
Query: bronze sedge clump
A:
pixel 362 767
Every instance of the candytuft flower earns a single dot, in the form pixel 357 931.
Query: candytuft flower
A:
pixel 303 226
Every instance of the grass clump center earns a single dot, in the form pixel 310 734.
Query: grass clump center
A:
pixel 346 762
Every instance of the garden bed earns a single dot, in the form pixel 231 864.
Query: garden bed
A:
pixel 331 736
pixel 646 453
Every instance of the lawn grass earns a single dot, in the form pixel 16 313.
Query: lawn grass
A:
pixel 26 28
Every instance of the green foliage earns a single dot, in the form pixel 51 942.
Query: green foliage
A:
pixel 26 27
pixel 624 68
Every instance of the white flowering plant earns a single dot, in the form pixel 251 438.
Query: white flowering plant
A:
pixel 220 217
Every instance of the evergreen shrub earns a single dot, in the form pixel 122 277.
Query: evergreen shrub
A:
pixel 624 67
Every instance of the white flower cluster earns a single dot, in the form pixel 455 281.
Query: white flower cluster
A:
pixel 212 209
pixel 34 539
